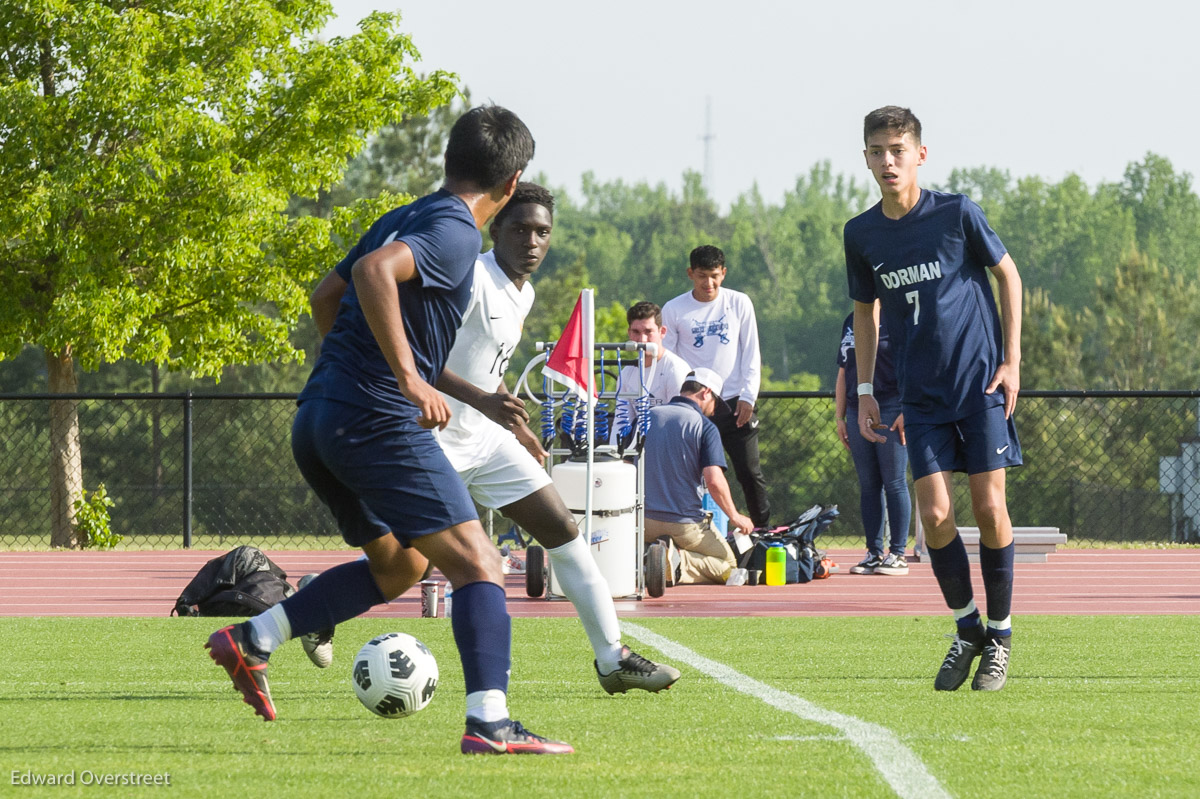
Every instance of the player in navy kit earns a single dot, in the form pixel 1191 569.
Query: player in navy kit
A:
pixel 495 453
pixel 363 439
pixel 926 257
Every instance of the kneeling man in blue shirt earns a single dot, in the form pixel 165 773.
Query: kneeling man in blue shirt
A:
pixel 683 456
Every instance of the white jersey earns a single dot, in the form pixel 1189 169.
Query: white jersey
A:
pixel 669 372
pixel 721 335
pixel 490 331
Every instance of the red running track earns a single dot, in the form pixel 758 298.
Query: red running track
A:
pixel 1092 582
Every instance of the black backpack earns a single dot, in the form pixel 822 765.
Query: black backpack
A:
pixel 242 582
pixel 803 559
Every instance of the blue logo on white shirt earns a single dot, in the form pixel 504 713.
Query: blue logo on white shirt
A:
pixel 718 328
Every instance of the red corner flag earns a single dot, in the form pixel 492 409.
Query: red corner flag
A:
pixel 568 363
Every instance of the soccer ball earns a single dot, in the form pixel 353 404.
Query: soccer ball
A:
pixel 395 675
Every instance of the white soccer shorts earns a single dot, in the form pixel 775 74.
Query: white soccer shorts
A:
pixel 508 474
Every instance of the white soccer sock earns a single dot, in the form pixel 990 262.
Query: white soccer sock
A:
pixel 581 580
pixel 962 613
pixel 491 705
pixel 1000 624
pixel 269 629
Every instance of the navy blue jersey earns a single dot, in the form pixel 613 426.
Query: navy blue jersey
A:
pixel 886 388
pixel 441 233
pixel 929 271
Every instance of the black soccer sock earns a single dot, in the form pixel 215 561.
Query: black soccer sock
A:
pixel 483 633
pixel 997 568
pixel 953 572
pixel 335 595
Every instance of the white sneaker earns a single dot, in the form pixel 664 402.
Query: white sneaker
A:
pixel 319 645
pixel 868 565
pixel 511 564
pixel 892 564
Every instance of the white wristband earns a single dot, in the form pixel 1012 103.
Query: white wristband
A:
pixel 867 389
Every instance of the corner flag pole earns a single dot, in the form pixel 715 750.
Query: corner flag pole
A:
pixel 588 334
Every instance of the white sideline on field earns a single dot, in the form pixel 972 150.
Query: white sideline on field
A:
pixel 899 766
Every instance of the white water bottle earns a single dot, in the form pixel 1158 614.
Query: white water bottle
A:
pixel 448 600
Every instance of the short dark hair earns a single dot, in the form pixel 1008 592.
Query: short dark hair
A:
pixel 488 145
pixel 692 387
pixel 527 194
pixel 644 310
pixel 706 256
pixel 892 117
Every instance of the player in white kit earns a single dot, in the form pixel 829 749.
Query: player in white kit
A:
pixel 500 459
pixel 489 444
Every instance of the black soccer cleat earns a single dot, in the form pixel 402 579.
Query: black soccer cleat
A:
pixel 228 647
pixel 992 673
pixel 957 665
pixel 508 737
pixel 635 671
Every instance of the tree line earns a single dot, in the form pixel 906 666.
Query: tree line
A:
pixel 178 176
pixel 1110 272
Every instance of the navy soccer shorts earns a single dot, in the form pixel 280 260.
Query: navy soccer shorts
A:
pixel 982 442
pixel 377 473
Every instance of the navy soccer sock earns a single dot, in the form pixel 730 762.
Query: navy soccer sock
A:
pixel 953 572
pixel 339 594
pixel 483 633
pixel 997 568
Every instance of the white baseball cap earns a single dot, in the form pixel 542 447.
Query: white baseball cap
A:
pixel 707 378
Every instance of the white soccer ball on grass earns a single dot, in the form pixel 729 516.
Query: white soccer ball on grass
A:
pixel 395 675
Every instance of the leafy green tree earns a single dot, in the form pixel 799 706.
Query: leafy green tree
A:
pixel 149 150
pixel 405 159
pixel 634 240
pixel 1132 335
pixel 1166 213
pixel 987 186
pixel 1146 319
pixel 1052 344
pixel 1063 236
pixel 795 269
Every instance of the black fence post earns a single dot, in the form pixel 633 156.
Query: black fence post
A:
pixel 187 470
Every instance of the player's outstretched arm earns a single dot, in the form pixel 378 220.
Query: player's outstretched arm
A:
pixel 525 437
pixel 377 276
pixel 500 406
pixel 529 440
pixel 1008 375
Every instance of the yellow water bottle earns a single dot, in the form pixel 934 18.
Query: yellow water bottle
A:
pixel 776 564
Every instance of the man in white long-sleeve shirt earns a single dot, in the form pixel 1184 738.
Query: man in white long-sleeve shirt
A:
pixel 715 328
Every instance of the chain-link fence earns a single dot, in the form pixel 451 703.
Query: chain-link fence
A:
pixel 212 471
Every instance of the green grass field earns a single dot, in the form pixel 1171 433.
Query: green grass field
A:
pixel 1094 707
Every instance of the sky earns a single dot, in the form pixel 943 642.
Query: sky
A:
pixel 622 89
